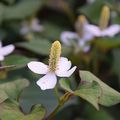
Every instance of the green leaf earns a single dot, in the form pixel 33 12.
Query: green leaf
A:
pixel 107 43
pixel 13 89
pixel 41 46
pixel 93 11
pixel 109 96
pixel 53 30
pixel 90 91
pixel 33 95
pixel 37 46
pixel 65 84
pixel 17 60
pixel 11 111
pixel 22 9
pixel 3 96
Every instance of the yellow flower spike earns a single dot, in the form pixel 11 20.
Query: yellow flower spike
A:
pixel 104 19
pixel 80 25
pixel 55 53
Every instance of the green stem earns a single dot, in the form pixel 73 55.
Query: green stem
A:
pixel 63 99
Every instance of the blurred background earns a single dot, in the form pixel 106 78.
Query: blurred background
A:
pixel 32 25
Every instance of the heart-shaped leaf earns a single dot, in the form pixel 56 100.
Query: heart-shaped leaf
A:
pixel 93 90
pixel 109 96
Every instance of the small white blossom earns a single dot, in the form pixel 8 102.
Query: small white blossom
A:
pixel 5 50
pixel 34 26
pixel 79 38
pixel 58 66
pixel 49 80
pixel 103 29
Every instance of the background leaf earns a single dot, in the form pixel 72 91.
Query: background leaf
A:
pixel 22 9
pixel 107 43
pixel 41 46
pixel 38 46
pixel 17 60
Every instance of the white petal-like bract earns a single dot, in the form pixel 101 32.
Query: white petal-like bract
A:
pixel 38 67
pixel 64 64
pixel 93 29
pixel 1 58
pixel 48 81
pixel 64 68
pixel 111 31
pixel 7 50
pixel 66 73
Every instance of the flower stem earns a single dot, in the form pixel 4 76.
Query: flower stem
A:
pixel 63 99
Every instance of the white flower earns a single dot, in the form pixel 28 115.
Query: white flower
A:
pixel 81 36
pixel 110 31
pixel 49 80
pixel 103 29
pixel 5 50
pixel 34 26
pixel 67 38
pixel 58 66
